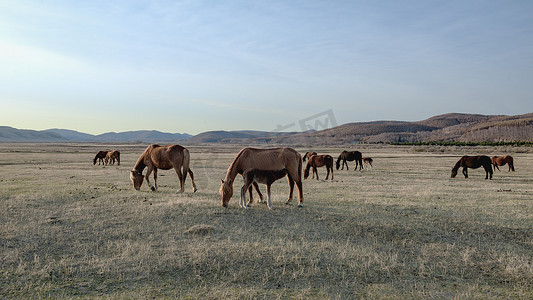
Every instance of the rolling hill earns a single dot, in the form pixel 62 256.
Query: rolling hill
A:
pixel 448 127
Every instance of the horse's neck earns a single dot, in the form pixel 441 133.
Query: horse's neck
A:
pixel 140 165
pixel 232 173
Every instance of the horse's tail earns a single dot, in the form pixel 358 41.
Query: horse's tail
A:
pixel 185 164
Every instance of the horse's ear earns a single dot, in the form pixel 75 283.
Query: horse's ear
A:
pixel 222 180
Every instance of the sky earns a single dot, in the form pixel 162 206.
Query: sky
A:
pixel 194 66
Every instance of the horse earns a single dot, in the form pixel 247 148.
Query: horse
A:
pixel 317 161
pixel 309 154
pixel 368 162
pixel 473 162
pixel 112 156
pixel 350 156
pixel 100 156
pixel 501 161
pixel 165 158
pixel 273 159
pixel 260 176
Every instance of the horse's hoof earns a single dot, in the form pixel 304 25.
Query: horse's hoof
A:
pixel 300 205
pixel 152 188
pixel 195 189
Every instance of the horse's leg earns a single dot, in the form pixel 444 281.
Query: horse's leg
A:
pixel 496 167
pixel 149 170
pixel 345 163
pixel 247 185
pixel 291 188
pixel 300 194
pixel 256 186
pixel 181 179
pixel 315 171
pixel 192 179
pixel 269 201
pixel 155 178
pixel 465 172
pixel 488 170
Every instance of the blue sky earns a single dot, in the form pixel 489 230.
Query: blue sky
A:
pixel 193 66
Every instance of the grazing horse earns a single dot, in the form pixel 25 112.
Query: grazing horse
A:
pixel 368 162
pixel 501 161
pixel 317 161
pixel 100 156
pixel 350 156
pixel 309 154
pixel 112 156
pixel 165 158
pixel 473 162
pixel 260 176
pixel 274 159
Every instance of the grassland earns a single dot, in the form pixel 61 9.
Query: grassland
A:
pixel 69 229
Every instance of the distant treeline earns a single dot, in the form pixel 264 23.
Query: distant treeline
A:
pixel 443 143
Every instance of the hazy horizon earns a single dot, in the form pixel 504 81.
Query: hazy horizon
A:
pixel 196 66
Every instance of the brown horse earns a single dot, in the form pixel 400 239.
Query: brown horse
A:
pixel 350 156
pixel 501 161
pixel 317 161
pixel 260 176
pixel 309 154
pixel 274 159
pixel 112 156
pixel 165 158
pixel 473 162
pixel 368 162
pixel 100 156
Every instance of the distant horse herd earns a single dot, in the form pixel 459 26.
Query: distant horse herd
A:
pixel 265 166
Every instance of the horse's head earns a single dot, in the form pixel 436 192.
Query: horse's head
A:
pixel 306 171
pixel 226 190
pixel 454 172
pixel 338 163
pixel 94 161
pixel 137 179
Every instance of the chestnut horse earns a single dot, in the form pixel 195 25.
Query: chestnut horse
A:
pixel 274 159
pixel 112 156
pixel 473 162
pixel 317 161
pixel 260 176
pixel 368 162
pixel 350 156
pixel 165 158
pixel 100 156
pixel 501 161
pixel 309 154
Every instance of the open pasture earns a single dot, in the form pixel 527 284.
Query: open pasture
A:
pixel 403 230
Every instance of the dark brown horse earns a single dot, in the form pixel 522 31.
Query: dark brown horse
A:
pixel 112 156
pixel 308 155
pixel 100 156
pixel 317 161
pixel 260 176
pixel 501 161
pixel 473 162
pixel 165 158
pixel 350 156
pixel 274 159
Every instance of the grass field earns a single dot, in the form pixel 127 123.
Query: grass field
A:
pixel 69 229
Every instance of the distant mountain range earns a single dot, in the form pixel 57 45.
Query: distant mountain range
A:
pixel 447 127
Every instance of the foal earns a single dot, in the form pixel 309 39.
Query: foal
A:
pixel 260 176
pixel 368 162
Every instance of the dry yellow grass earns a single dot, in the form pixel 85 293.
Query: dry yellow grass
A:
pixel 69 229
